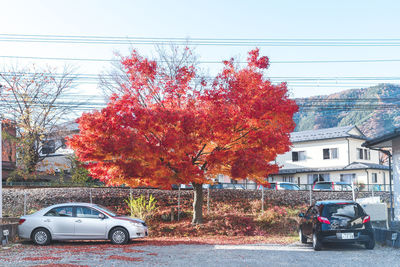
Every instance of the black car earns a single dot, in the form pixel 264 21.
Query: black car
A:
pixel 336 221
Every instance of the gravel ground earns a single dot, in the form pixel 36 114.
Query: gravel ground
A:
pixel 141 254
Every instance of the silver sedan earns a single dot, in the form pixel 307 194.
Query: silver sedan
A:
pixel 79 221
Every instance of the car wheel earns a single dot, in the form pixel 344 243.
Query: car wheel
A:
pixel 317 245
pixel 119 236
pixel 370 244
pixel 302 238
pixel 41 237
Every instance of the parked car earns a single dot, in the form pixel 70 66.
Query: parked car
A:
pixel 79 221
pixel 283 186
pixel 336 221
pixel 332 186
pixel 181 186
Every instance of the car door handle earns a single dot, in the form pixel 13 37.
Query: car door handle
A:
pixel 47 220
pixel 78 221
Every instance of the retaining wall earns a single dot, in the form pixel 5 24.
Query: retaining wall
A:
pixel 36 198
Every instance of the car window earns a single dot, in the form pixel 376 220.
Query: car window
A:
pixel 107 211
pixel 85 212
pixel 289 186
pixel 60 212
pixel 347 187
pixel 349 210
pixel 327 186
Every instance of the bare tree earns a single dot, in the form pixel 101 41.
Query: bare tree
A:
pixel 170 57
pixel 30 98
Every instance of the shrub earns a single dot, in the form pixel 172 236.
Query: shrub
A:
pixel 140 207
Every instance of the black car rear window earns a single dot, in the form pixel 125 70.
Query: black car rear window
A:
pixel 349 210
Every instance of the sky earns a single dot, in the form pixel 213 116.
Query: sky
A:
pixel 249 19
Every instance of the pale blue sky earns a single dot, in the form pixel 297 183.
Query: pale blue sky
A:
pixel 214 19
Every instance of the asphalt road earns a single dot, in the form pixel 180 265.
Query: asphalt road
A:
pixel 103 254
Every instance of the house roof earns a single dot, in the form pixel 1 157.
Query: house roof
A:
pixel 383 141
pixel 352 166
pixel 328 133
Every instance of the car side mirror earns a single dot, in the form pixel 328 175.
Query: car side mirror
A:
pixel 101 216
pixel 301 215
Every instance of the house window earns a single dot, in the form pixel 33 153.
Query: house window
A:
pixel 348 177
pixel 288 179
pixel 48 147
pixel 330 153
pixel 298 155
pixel 374 178
pixel 363 154
pixel 318 177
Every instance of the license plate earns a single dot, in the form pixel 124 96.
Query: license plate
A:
pixel 346 235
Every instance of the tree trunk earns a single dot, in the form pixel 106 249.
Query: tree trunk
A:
pixel 197 204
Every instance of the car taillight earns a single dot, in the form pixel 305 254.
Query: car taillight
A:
pixel 323 220
pixel 333 187
pixel 21 221
pixel 366 219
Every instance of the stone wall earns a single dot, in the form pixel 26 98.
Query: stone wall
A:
pixel 36 198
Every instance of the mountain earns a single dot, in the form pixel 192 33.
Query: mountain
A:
pixel 375 110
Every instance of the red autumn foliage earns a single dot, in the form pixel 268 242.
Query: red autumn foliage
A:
pixel 164 130
pixel 124 258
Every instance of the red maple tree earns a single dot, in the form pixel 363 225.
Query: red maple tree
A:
pixel 166 129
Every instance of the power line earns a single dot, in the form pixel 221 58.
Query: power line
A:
pixel 212 61
pixel 195 41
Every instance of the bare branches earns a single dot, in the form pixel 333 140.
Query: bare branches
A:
pixel 30 97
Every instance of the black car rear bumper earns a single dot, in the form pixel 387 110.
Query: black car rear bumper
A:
pixel 359 236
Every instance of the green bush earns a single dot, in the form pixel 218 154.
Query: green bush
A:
pixel 141 208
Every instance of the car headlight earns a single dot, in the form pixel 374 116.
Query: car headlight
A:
pixel 137 224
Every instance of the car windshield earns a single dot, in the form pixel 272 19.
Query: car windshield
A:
pixel 109 212
pixel 323 186
pixel 289 186
pixel 349 210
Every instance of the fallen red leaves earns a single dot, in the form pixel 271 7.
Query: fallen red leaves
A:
pixel 124 258
pixel 152 254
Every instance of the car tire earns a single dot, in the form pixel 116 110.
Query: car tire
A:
pixel 41 237
pixel 119 236
pixel 370 244
pixel 302 238
pixel 317 245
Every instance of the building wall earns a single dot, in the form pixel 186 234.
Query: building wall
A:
pixel 356 143
pixel 314 154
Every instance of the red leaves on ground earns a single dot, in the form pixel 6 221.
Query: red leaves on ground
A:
pixel 152 254
pixel 124 258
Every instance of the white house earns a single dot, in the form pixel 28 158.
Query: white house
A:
pixel 333 154
pixel 57 154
